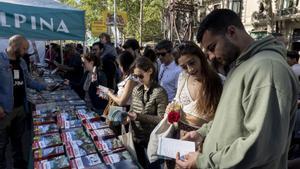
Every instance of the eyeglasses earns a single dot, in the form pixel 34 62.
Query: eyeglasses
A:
pixel 140 76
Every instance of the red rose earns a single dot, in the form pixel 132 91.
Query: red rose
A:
pixel 173 117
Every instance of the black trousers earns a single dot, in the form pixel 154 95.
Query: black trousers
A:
pixel 141 153
pixel 12 127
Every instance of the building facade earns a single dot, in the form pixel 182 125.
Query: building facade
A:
pixel 260 17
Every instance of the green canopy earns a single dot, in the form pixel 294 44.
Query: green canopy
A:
pixel 41 20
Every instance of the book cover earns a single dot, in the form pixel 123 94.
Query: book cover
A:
pixel 46 129
pixel 75 134
pixel 91 161
pixel 100 134
pixel 60 162
pixel 43 120
pixel 109 145
pixel 94 125
pixel 79 148
pixel 47 153
pixel 44 113
pixel 117 157
pixel 70 124
pixel 45 141
pixel 85 115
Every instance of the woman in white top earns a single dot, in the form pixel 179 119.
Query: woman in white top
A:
pixel 199 88
pixel 125 87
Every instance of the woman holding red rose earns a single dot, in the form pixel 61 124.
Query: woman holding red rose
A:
pixel 199 88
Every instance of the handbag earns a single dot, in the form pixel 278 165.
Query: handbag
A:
pixel 106 110
pixel 127 140
pixel 163 129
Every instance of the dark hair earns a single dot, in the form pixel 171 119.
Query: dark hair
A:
pixel 107 37
pixel 218 21
pixel 145 64
pixel 69 48
pixel 293 55
pixel 92 57
pixel 126 61
pixel 131 43
pixel 150 54
pixel 211 88
pixel 99 44
pixel 175 53
pixel 55 47
pixel 164 44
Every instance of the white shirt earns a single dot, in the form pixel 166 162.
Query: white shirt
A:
pixel 168 78
pixel 121 87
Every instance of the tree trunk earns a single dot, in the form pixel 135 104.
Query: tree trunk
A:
pixel 141 21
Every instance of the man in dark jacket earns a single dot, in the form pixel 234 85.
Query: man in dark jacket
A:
pixel 109 65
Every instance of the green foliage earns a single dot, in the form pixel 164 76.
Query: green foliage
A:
pixel 152 15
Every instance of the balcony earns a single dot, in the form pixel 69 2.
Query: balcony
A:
pixel 287 11
pixel 290 13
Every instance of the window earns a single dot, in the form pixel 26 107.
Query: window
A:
pixel 235 5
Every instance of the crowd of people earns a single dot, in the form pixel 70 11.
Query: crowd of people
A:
pixel 238 97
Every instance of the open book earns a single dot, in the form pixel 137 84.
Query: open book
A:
pixel 102 91
pixel 168 147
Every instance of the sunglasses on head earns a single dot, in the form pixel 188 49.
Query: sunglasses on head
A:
pixel 140 76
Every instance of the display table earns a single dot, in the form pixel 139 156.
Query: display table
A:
pixel 66 134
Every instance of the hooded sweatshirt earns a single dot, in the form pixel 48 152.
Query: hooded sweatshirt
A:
pixel 255 117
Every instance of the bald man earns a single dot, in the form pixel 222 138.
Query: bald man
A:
pixel 14 79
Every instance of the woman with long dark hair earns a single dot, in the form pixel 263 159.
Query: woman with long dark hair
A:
pixel 199 88
pixel 125 87
pixel 88 84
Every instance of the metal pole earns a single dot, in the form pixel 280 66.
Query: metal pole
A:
pixel 141 21
pixel 61 52
pixel 115 22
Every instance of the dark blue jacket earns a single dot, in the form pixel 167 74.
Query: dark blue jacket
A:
pixel 6 83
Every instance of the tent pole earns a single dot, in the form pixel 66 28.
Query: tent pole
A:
pixel 115 22
pixel 84 44
pixel 61 52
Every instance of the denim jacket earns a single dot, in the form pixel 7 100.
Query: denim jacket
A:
pixel 6 83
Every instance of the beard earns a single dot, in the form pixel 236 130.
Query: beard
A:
pixel 18 54
pixel 230 54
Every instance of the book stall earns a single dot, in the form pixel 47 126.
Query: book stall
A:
pixel 66 134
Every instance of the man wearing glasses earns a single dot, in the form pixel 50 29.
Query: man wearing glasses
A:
pixel 169 70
